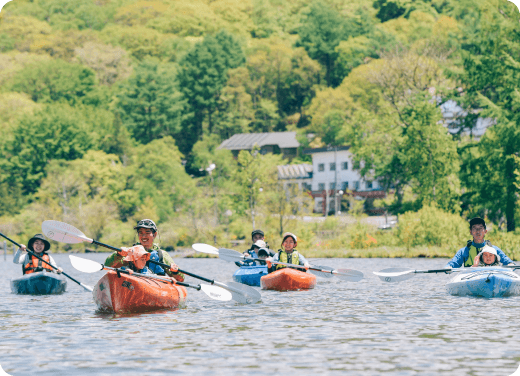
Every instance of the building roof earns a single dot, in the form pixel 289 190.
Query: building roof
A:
pixel 246 141
pixel 325 149
pixel 299 171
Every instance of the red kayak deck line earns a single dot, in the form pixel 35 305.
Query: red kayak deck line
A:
pixel 128 293
pixel 287 279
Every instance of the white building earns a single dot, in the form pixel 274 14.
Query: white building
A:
pixel 333 174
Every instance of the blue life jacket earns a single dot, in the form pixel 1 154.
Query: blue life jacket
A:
pixel 252 253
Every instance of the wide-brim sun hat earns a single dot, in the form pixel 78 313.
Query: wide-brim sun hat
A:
pixel 260 244
pixel 489 249
pixel 38 237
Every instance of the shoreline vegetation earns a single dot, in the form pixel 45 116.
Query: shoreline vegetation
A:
pixel 115 111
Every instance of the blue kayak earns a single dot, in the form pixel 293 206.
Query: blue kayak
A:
pixel 39 283
pixel 250 275
pixel 488 282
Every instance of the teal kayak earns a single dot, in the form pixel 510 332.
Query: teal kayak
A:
pixel 39 283
pixel 250 275
pixel 488 282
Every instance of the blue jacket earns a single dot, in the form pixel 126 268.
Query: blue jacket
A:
pixel 462 255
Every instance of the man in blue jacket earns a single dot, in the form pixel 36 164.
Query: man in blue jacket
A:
pixel 466 256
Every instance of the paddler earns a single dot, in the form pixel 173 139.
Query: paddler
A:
pixel 288 254
pixel 39 245
pixel 253 252
pixel 487 257
pixel 466 256
pixel 139 255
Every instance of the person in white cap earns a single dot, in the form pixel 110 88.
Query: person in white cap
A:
pixel 288 254
pixel 253 252
pixel 487 257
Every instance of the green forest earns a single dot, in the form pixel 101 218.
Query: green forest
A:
pixel 112 111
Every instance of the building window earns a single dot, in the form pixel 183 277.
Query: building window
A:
pixel 369 185
pixel 332 185
pixel 321 186
pixel 333 166
pixel 344 166
pixel 356 185
pixel 344 185
pixel 321 167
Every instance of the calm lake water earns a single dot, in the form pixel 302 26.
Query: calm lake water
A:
pixel 363 328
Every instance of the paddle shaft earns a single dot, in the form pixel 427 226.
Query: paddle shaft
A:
pixel 196 287
pixel 38 257
pixel 285 264
pixel 212 281
pixel 158 263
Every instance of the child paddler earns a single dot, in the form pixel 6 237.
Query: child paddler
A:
pixel 30 264
pixel 132 257
pixel 288 254
pixel 258 238
pixel 466 256
pixel 487 257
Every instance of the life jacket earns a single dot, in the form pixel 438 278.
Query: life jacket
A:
pixel 473 252
pixel 288 258
pixel 155 255
pixel 36 265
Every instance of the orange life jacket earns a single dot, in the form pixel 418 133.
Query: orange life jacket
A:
pixel 36 265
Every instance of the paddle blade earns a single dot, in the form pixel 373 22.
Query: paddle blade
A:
pixel 349 275
pixel 87 287
pixel 241 293
pixel 322 273
pixel 395 274
pixel 216 293
pixel 230 255
pixel 85 265
pixel 63 232
pixel 205 248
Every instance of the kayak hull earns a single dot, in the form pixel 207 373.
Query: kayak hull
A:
pixel 287 279
pixel 39 283
pixel 250 275
pixel 485 282
pixel 125 293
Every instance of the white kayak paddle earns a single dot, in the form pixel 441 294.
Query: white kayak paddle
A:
pixel 90 266
pixel 63 232
pixel 205 248
pixel 345 274
pixel 402 274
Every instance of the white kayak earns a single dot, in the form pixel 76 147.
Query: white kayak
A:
pixel 488 282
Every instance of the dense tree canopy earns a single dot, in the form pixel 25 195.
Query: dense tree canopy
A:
pixel 116 109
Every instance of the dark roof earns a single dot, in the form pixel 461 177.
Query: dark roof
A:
pixel 246 141
pixel 299 171
pixel 325 149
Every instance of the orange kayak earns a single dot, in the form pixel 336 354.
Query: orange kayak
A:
pixel 287 279
pixel 129 293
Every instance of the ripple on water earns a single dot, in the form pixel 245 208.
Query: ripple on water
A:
pixel 364 328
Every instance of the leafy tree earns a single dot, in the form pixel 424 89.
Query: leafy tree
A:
pixel 55 81
pixel 195 18
pixel 490 81
pixel 149 104
pixel 202 74
pixel 321 32
pixel 110 63
pixel 55 132
pixel 388 10
pixel 256 174
pixel 157 172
